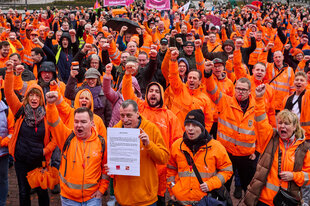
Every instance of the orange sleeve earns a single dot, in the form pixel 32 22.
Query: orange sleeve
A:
pixel 174 79
pixel 224 35
pixel 58 129
pixel 9 93
pixel 200 60
pixel 114 53
pixel 230 70
pixel 238 68
pixel 127 90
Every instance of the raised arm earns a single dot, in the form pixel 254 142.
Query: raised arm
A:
pixel 9 93
pixel 58 129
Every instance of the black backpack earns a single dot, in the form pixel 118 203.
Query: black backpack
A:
pixel 67 144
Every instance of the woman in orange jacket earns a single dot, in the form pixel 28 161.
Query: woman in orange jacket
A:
pixel 30 143
pixel 285 160
pixel 209 156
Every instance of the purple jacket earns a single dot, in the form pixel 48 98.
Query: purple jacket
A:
pixel 116 97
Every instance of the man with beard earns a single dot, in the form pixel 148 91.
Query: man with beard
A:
pixel 4 52
pixel 236 129
pixel 154 110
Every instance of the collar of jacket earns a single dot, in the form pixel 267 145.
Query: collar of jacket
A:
pixel 194 92
pixel 279 69
pixel 250 107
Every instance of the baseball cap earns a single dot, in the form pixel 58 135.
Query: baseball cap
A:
pixel 164 41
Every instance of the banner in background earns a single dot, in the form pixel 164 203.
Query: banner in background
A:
pixel 184 8
pixel 128 2
pixel 158 4
pixel 114 2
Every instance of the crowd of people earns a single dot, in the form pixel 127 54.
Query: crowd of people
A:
pixel 219 96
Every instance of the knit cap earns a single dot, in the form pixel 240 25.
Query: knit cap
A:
pixel 196 117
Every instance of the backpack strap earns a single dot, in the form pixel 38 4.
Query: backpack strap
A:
pixel 65 147
pixel 67 144
pixel 102 144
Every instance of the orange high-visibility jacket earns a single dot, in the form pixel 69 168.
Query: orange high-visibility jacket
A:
pixel 214 167
pixel 283 85
pixel 269 94
pixel 166 121
pixel 186 99
pixel 235 129
pixel 66 113
pixel 304 112
pixel 260 46
pixel 265 132
pixel 82 172
pixel 142 190
pixel 28 45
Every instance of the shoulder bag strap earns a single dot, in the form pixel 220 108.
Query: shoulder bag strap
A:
pixel 276 76
pixel 191 162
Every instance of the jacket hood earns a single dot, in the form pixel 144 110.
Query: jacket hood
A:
pixel 161 93
pixel 232 35
pixel 48 66
pixel 135 84
pixel 77 102
pixel 35 86
pixel 65 35
pixel 230 43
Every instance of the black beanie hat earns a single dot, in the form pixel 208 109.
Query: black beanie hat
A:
pixel 196 117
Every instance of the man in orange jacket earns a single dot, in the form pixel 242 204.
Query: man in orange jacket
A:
pixel 209 156
pixel 142 190
pixel 279 75
pixel 154 110
pixel 82 176
pixel 236 126
pixel 4 53
pixel 188 96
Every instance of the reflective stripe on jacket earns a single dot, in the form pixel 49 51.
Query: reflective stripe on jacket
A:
pixel 214 167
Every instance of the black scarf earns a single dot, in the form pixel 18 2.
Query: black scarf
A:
pixel 244 104
pixel 290 104
pixel 195 144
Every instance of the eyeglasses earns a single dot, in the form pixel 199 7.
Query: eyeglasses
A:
pixel 241 90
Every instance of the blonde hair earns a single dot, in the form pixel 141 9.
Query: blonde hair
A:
pixel 87 94
pixel 33 91
pixel 301 73
pixel 288 116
